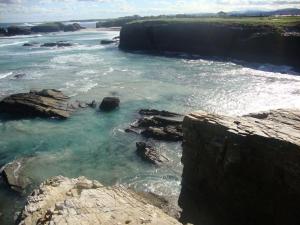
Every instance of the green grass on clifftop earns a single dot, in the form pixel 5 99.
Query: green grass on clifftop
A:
pixel 277 22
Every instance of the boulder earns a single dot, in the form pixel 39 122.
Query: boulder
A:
pixel 61 200
pixel 109 103
pixel 157 121
pixel 30 44
pixel 150 154
pixel 12 174
pixel 46 103
pixel 14 30
pixel 247 169
pixel 154 112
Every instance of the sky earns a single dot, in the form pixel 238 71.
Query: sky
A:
pixel 60 10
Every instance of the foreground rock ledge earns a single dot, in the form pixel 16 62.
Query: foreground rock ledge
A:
pixel 61 200
pixel 246 168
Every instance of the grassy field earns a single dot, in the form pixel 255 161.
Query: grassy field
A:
pixel 277 22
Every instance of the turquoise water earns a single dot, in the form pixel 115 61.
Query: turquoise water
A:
pixel 93 143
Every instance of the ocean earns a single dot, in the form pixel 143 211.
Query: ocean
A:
pixel 92 143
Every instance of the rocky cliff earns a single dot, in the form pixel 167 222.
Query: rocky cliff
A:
pixel 256 43
pixel 60 200
pixel 242 170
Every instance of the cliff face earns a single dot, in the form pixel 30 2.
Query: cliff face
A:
pixel 251 43
pixel 247 169
pixel 63 201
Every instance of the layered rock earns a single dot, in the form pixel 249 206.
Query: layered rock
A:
pixel 60 200
pixel 45 103
pixel 149 153
pixel 256 43
pixel 247 169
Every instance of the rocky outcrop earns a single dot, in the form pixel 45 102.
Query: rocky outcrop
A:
pixel 13 175
pixel 48 27
pixel 155 112
pixel 109 104
pixel 14 30
pixel 3 32
pixel 46 103
pixel 255 43
pixel 149 153
pixel 60 200
pixel 247 169
pixel 73 27
pixel 158 127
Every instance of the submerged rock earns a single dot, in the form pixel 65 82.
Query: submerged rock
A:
pixel 150 154
pixel 109 103
pixel 248 168
pixel 19 75
pixel 12 174
pixel 107 41
pixel 46 103
pixel 61 200
pixel 57 44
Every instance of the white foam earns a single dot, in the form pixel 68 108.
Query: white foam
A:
pixel 4 75
pixel 82 59
pixel 14 43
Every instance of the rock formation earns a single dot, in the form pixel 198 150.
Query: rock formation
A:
pixel 255 43
pixel 247 169
pixel 149 153
pixel 12 174
pixel 14 30
pixel 60 200
pixel 45 103
pixel 109 104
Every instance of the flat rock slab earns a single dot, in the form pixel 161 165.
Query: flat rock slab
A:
pixel 149 153
pixel 64 201
pixel 46 103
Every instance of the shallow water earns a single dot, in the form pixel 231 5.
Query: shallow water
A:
pixel 94 144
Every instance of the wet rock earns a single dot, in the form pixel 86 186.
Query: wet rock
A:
pixel 30 44
pixel 46 103
pixel 57 44
pixel 48 27
pixel 3 32
pixel 154 112
pixel 12 174
pixel 168 133
pixel 109 103
pixel 19 75
pixel 107 42
pixel 61 200
pixel 150 154
pixel 157 121
pixel 92 104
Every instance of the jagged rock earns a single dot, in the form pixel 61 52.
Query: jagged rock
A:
pixel 154 112
pixel 12 174
pixel 45 103
pixel 107 42
pixel 109 103
pixel 157 121
pixel 92 104
pixel 150 154
pixel 61 200
pixel 248 168
pixel 168 133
